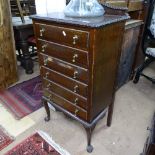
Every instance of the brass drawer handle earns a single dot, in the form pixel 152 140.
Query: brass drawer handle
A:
pixel 48 86
pixel 75 38
pixel 76 88
pixel 76 111
pixel 44 47
pixel 49 96
pixel 42 30
pixel 76 101
pixel 46 61
pixel 75 74
pixel 74 57
pixel 47 74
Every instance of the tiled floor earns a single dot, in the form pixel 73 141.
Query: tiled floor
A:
pixel 134 108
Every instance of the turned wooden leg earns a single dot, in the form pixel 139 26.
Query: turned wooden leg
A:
pixel 89 131
pixel 47 118
pixel 26 62
pixel 110 113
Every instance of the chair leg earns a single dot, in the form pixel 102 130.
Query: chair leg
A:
pixel 149 78
pixel 137 76
pixel 140 69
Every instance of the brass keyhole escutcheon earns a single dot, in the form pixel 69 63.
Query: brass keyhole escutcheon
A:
pixel 75 38
pixel 44 47
pixel 74 57
pixel 75 74
pixel 76 88
pixel 42 30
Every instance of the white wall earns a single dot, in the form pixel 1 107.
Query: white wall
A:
pixel 48 6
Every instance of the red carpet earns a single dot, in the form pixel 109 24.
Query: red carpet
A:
pixel 34 145
pixel 5 139
pixel 24 98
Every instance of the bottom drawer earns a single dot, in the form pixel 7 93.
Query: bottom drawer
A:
pixel 65 93
pixel 66 105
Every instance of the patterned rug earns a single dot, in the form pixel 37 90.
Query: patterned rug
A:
pixel 5 138
pixel 24 98
pixel 37 145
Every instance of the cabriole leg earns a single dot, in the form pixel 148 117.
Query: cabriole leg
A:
pixel 89 131
pixel 47 118
pixel 110 113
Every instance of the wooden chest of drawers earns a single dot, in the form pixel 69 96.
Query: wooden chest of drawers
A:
pixel 78 63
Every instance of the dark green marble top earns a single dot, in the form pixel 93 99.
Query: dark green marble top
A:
pixel 94 22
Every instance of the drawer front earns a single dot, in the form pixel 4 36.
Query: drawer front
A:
pixel 64 68
pixel 65 93
pixel 66 36
pixel 135 5
pixel 66 105
pixel 64 81
pixel 70 55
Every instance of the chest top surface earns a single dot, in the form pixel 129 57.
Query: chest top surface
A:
pixel 97 22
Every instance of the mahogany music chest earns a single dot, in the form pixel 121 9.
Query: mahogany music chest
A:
pixel 78 64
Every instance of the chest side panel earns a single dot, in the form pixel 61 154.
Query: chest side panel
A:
pixel 107 48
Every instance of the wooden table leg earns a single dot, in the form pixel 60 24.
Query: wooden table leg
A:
pixel 26 61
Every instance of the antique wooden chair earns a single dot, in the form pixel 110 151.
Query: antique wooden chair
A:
pixel 16 9
pixel 24 8
pixel 148 44
pixel 32 10
pixel 32 7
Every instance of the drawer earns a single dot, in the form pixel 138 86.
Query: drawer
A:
pixel 75 86
pixel 70 55
pixel 135 5
pixel 65 93
pixel 64 68
pixel 66 36
pixel 66 105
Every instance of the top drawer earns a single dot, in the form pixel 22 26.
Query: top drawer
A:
pixel 71 37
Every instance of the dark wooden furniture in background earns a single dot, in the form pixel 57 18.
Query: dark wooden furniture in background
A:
pixel 132 56
pixel 139 10
pixel 22 8
pixel 148 42
pixel 130 40
pixel 32 7
pixel 22 31
pixel 117 3
pixel 8 66
pixel 16 9
pixel 75 56
pixel 149 147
